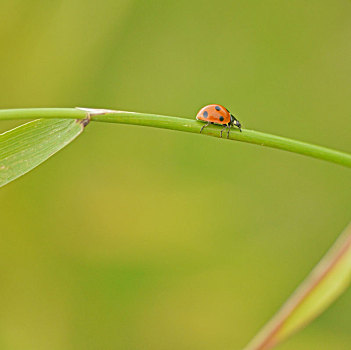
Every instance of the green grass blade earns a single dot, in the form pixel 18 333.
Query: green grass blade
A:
pixel 30 144
pixel 327 282
pixel 181 124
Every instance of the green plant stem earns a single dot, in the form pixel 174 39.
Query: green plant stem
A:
pixel 181 124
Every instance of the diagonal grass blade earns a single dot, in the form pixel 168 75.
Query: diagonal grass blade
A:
pixel 327 282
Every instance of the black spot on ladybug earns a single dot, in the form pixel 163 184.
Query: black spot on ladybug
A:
pixel 221 118
pixel 205 114
pixel 218 108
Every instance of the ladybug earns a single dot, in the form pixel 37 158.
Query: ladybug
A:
pixel 217 114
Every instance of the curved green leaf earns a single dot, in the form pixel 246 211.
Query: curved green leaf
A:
pixel 30 144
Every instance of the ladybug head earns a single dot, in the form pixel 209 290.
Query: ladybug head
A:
pixel 235 122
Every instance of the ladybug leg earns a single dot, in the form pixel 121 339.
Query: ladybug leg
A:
pixel 224 129
pixel 205 126
pixel 229 126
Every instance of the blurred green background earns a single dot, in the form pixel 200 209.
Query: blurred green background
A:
pixel 138 238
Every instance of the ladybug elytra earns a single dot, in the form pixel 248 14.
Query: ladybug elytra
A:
pixel 217 114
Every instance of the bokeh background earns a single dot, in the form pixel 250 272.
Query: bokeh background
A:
pixel 138 238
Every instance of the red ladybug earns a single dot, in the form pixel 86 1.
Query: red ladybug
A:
pixel 217 114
